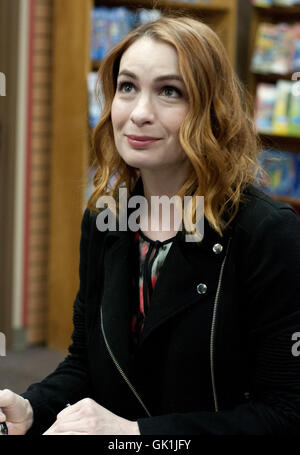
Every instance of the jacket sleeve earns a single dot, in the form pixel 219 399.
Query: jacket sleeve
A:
pixel 69 382
pixel 270 264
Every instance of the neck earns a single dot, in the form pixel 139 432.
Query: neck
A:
pixel 161 184
pixel 157 219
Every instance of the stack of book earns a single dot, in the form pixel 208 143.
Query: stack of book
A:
pixel 275 2
pixel 278 108
pixel 282 176
pixel 110 25
pixel 277 49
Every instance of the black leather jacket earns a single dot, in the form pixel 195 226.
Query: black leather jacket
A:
pixel 217 362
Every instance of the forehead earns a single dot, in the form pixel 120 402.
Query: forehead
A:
pixel 149 56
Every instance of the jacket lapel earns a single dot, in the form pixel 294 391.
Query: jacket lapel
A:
pixel 119 294
pixel 187 265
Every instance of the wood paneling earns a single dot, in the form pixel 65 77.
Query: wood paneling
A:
pixel 37 307
pixel 69 161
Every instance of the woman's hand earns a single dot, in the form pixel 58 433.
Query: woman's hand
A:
pixel 16 412
pixel 88 417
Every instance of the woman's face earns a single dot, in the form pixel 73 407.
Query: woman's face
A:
pixel 149 106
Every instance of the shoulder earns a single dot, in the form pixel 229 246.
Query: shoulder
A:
pixel 259 212
pixel 89 231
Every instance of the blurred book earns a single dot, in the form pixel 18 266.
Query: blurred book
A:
pixel 95 105
pixel 262 2
pixel 296 56
pixel 284 51
pixel 277 109
pixel 147 15
pixel 277 48
pixel 111 25
pixel 265 48
pixel 281 170
pixel 294 110
pixel 275 2
pixel 296 192
pixel 281 108
pixel 286 2
pixel 265 102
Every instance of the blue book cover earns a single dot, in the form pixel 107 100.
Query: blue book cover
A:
pixel 296 190
pixel 280 168
pixel 98 33
pixel 264 109
pixel 109 26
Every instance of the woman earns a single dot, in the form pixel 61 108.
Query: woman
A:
pixel 173 336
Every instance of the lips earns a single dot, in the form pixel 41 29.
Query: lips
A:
pixel 141 138
pixel 141 141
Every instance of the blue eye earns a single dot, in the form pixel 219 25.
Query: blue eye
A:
pixel 125 87
pixel 171 92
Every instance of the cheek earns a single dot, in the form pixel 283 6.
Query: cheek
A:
pixel 114 114
pixel 174 121
pixel 119 114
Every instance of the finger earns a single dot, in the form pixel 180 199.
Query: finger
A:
pixel 63 418
pixel 66 424
pixel 76 406
pixel 7 398
pixel 66 427
pixel 66 411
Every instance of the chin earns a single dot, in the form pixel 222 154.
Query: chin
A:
pixel 140 162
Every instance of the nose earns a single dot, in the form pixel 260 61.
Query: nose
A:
pixel 143 111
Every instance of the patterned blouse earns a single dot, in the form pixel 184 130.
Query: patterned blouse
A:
pixel 152 254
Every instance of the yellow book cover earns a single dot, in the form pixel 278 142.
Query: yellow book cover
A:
pixel 281 108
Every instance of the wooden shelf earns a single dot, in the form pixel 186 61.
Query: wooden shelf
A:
pixel 271 77
pixel 289 143
pixel 276 15
pixel 293 12
pixel 214 6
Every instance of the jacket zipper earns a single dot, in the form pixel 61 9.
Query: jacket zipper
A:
pixel 120 369
pixel 212 334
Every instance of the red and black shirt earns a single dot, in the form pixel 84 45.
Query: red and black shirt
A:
pixel 152 254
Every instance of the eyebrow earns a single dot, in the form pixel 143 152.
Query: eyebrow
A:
pixel 158 79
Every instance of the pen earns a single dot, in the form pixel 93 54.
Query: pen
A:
pixel 3 428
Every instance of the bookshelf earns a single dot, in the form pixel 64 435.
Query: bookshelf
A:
pixel 273 15
pixel 71 133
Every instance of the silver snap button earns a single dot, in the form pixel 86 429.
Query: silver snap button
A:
pixel 201 288
pixel 217 248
